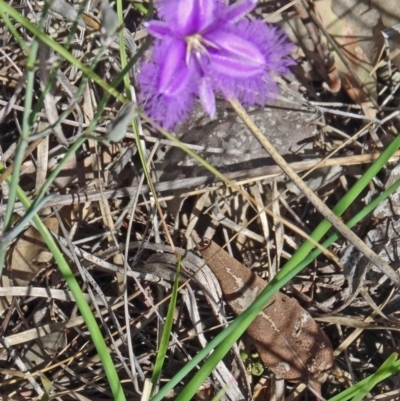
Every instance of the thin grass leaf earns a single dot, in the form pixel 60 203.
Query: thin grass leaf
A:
pixel 376 377
pixel 91 323
pixel 390 367
pixel 23 142
pixel 353 221
pixel 60 50
pixel 122 52
pixel 135 126
pixel 141 8
pixel 166 334
pixel 221 393
pixel 10 235
pixel 47 385
pixel 225 340
pixel 14 32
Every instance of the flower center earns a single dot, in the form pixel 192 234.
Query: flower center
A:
pixel 198 45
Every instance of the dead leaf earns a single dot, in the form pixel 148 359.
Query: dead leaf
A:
pixel 91 21
pixel 26 253
pixel 287 338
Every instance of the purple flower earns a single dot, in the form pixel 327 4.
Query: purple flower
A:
pixel 203 47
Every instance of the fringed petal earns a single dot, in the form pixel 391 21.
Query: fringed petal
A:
pixel 259 87
pixel 207 97
pixel 169 100
pixel 234 56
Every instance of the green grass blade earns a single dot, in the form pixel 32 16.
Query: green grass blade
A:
pixel 224 341
pixel 10 235
pixel 95 333
pixel 140 7
pixel 390 367
pixel 128 94
pixel 14 32
pixel 352 222
pixel 23 142
pixel 75 146
pixel 166 334
pixel 293 267
pixel 374 379
pixel 60 50
pixel 122 52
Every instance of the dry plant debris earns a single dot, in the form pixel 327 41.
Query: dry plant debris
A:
pixel 336 111
pixel 288 340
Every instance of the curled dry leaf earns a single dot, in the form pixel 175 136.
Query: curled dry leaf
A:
pixel 28 254
pixel 287 338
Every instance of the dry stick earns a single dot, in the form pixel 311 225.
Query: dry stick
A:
pixel 309 194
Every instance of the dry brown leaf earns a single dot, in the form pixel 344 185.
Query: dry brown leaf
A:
pixel 287 338
pixel 27 254
pixel 91 21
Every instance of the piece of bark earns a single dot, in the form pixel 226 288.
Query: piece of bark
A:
pixel 287 338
